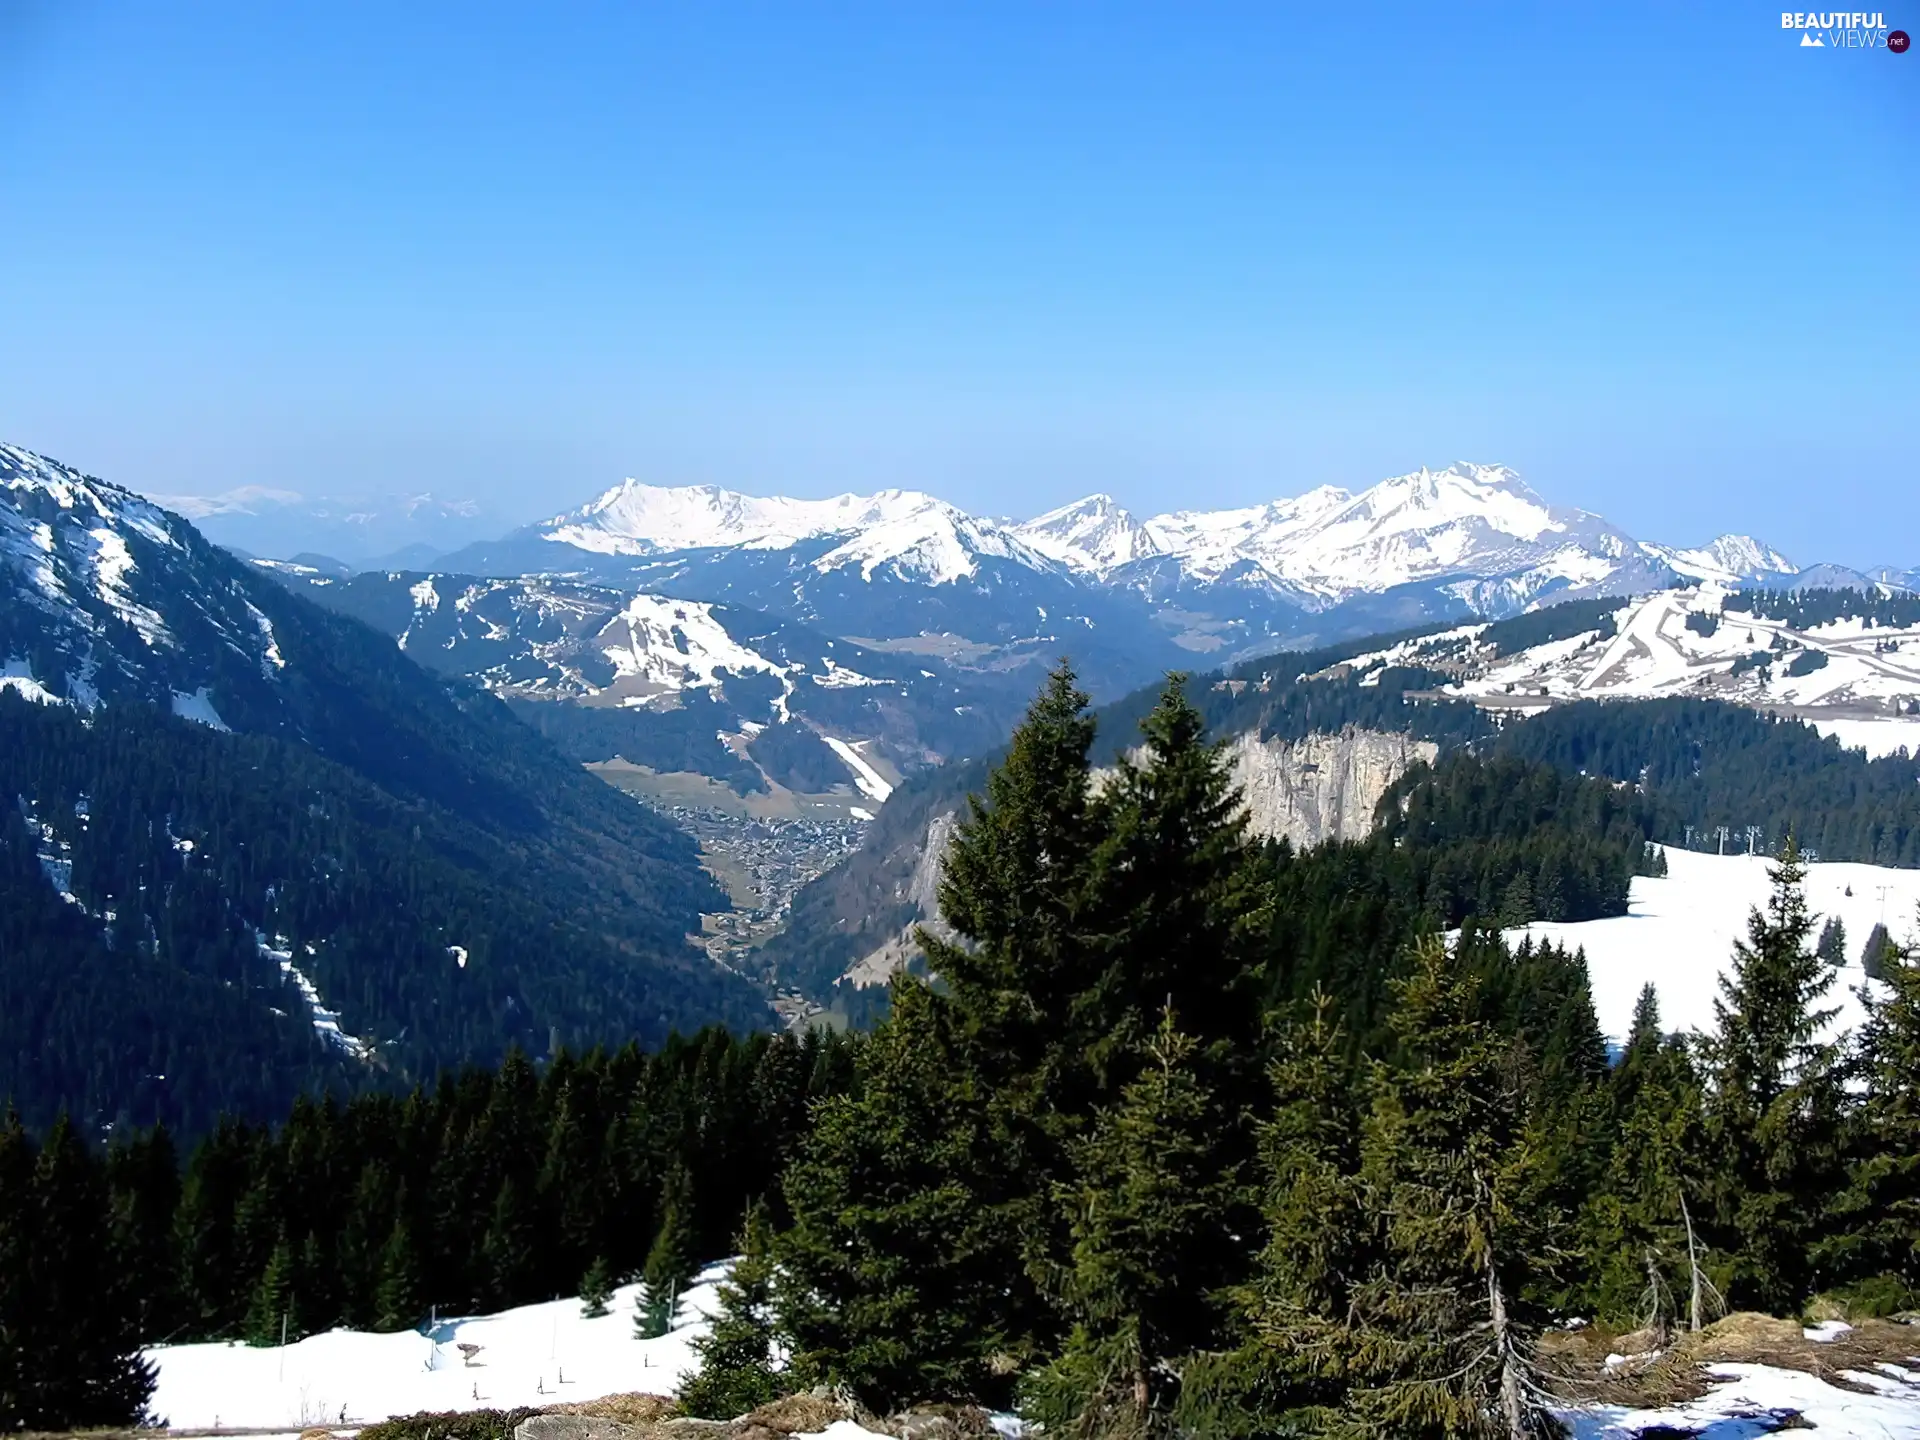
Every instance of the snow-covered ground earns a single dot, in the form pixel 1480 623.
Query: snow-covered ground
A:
pixel 546 1354
pixel 1679 930
pixel 1756 1400
pixel 534 1355
pixel 1878 737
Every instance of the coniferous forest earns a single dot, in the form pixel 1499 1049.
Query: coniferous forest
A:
pixel 1191 1135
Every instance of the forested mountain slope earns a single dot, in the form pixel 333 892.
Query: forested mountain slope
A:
pixel 1694 765
pixel 444 882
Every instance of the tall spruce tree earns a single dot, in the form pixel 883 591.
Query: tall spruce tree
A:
pixel 18 1402
pixel 1148 1212
pixel 1633 1225
pixel 78 1363
pixel 1296 1309
pixel 399 1298
pixel 672 1260
pixel 1773 1101
pixel 1445 1327
pixel 1874 1243
pixel 899 1277
pixel 736 1354
pixel 1183 899
pixel 273 1315
pixel 1017 886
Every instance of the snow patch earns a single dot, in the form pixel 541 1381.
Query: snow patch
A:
pixel 198 707
pixel 533 1355
pixel 1679 929
pixel 17 676
pixel 326 1022
pixel 868 780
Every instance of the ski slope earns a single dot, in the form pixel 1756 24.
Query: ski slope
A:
pixel 533 1355
pixel 1678 933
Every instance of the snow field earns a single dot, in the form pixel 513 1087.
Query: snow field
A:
pixel 534 1355
pixel 1754 1400
pixel 1678 933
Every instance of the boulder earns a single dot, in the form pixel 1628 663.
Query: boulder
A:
pixel 579 1427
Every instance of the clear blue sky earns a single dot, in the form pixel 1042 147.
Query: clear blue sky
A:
pixel 1659 258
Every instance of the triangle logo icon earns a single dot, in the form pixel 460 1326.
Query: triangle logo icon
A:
pixel 1810 41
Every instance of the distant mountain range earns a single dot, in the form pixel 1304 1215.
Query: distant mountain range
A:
pixel 365 531
pixel 1129 596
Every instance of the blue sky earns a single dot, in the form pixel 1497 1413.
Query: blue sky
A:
pixel 1659 258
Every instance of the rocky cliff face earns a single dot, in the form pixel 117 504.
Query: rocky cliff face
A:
pixel 1318 788
pixel 1321 787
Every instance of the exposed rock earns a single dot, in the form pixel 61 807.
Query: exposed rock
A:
pixel 1310 790
pixel 631 1408
pixel 923 892
pixel 1321 787
pixel 579 1427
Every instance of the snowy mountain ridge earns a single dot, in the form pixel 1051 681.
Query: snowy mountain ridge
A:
pixel 1464 523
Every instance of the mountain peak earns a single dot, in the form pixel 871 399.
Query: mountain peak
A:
pixel 1093 533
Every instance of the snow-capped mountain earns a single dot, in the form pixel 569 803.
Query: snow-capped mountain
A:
pixel 903 534
pixel 1095 535
pixel 1477 522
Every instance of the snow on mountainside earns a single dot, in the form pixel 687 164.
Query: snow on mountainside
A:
pixel 1849 676
pixel 1094 534
pixel 103 594
pixel 1467 520
pixel 1679 931
pixel 1477 529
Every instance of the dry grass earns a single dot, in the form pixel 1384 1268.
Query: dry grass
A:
pixel 801 1414
pixel 632 1408
pixel 1576 1361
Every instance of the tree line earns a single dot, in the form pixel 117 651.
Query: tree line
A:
pixel 490 1189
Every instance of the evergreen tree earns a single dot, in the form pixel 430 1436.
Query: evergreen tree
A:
pixel 672 1260
pixel 143 1178
pixel 1633 1224
pixel 1295 1309
pixel 18 1384
pixel 272 1317
pixel 736 1371
pixel 79 1358
pixel 399 1298
pixel 1833 942
pixel 1147 1210
pixel 1444 1329
pixel 1875 1242
pixel 1873 954
pixel 897 1279
pixel 596 1289
pixel 508 1250
pixel 1772 1102
pixel 1184 899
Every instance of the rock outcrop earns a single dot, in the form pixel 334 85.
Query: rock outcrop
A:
pixel 1307 791
pixel 1321 787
